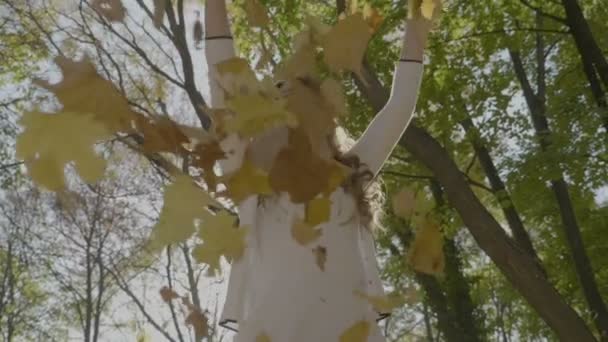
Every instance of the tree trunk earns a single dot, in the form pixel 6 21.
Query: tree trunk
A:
pixel 537 108
pixel 518 267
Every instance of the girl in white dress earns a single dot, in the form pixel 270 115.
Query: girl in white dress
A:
pixel 277 291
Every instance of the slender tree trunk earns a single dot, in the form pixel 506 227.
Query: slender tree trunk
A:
pixel 537 108
pixel 520 269
pixel 583 37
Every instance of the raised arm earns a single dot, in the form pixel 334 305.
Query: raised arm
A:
pixel 383 133
pixel 219 45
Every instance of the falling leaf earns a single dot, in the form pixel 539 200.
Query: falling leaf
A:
pixel 83 90
pixel 262 338
pixel 383 304
pixel 159 12
pixel 257 113
pixel 302 63
pixel 112 10
pixel 333 92
pixel 344 46
pixel 426 252
pixel 257 15
pixel 314 113
pixel 199 322
pixel 236 77
pixel 359 332
pixel 50 141
pixel 320 253
pixel 168 294
pixel 298 171
pixel 318 211
pixel 162 135
pixel 205 157
pixel 427 8
pixel 246 181
pixel 372 16
pixel 304 233
pixel 404 203
pixel 220 237
pixel 184 202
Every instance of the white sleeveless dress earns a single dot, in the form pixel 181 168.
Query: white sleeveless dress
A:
pixel 279 290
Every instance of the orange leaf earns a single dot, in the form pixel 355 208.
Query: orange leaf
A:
pixel 168 294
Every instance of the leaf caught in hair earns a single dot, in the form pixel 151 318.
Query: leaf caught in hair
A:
pixel 359 332
pixel 304 233
pixel 257 14
pixel 220 238
pixel 50 141
pixel 426 252
pixel 320 253
pixel 112 10
pixel 345 44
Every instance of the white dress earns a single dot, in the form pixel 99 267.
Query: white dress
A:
pixel 277 288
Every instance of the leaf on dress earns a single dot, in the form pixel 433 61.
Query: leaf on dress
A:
pixel 304 233
pixel 318 211
pixel 220 238
pixel 426 252
pixel 320 253
pixel 345 45
pixel 359 332
pixel 262 338
pixel 184 202
pixel 246 181
pixel 50 141
pixel 257 14
pixel 112 10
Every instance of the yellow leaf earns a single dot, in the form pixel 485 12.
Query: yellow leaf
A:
pixel 112 10
pixel 372 16
pixel 298 171
pixel 320 253
pixel 426 252
pixel 403 203
pixel 262 338
pixel 50 141
pixel 345 44
pixel 304 233
pixel 255 114
pixel 220 237
pixel 359 332
pixel 248 180
pixel 427 8
pixel 184 203
pixel 318 211
pixel 383 304
pixel 236 77
pixel 257 15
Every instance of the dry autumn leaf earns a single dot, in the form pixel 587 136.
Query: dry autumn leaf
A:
pixel 50 141
pixel 359 332
pixel 372 16
pixel 404 203
pixel 247 181
pixel 199 323
pixel 304 233
pixel 344 46
pixel 220 237
pixel 383 304
pixel 236 77
pixel 256 113
pixel 426 252
pixel 257 15
pixel 184 203
pixel 162 135
pixel 83 90
pixel 318 211
pixel 427 8
pixel 167 294
pixel 298 171
pixel 320 253
pixel 112 10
